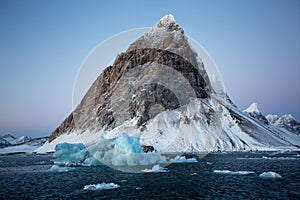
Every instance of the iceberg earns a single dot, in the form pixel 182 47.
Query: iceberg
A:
pixel 70 154
pixel 122 151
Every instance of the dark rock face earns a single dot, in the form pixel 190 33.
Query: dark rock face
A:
pixel 143 56
pixel 259 117
pixel 147 149
pixel 99 107
pixel 67 126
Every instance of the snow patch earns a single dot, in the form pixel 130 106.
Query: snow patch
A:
pixel 101 186
pixel 270 175
pixel 272 118
pixel 165 21
pixel 253 108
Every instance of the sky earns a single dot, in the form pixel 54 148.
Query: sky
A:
pixel 255 44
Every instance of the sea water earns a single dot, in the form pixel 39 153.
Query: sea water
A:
pixel 243 175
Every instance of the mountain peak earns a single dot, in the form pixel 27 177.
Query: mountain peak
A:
pixel 167 22
pixel 252 108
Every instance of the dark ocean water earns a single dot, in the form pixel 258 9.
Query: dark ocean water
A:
pixel 29 177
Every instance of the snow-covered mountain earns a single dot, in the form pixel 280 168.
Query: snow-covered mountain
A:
pixel 11 144
pixel 285 122
pixel 254 112
pixel 7 139
pixel 160 88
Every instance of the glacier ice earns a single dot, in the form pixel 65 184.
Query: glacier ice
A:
pixel 269 175
pixel 101 186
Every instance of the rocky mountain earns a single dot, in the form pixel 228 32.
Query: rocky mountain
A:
pixel 160 88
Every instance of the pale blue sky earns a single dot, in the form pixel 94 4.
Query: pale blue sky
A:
pixel 255 44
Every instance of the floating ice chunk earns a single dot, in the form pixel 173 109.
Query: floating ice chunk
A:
pixel 268 158
pixel 209 163
pixel 101 186
pixel 183 159
pixel 70 154
pixel 122 151
pixel 138 188
pixel 233 172
pixel 156 168
pixel 269 175
pixel 194 174
pixel 278 158
pixel 56 168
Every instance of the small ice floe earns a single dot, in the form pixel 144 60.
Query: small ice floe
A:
pixel 183 159
pixel 233 172
pixel 267 158
pixel 56 168
pixel 123 181
pixel 278 158
pixel 194 174
pixel 209 163
pixel 138 188
pixel 270 175
pixel 101 186
pixel 156 168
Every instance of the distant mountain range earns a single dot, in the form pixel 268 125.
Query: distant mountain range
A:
pixel 23 144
